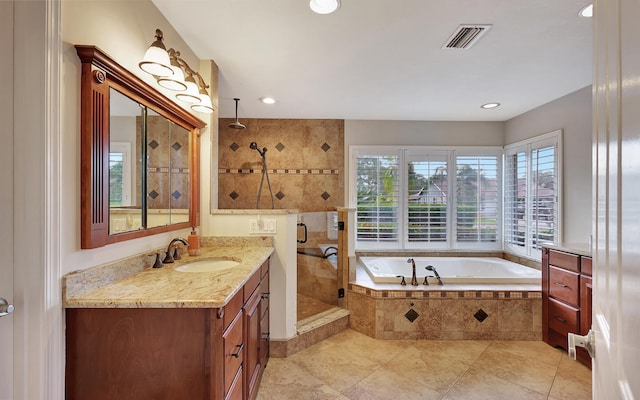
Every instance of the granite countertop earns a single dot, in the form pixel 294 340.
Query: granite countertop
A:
pixel 582 249
pixel 167 288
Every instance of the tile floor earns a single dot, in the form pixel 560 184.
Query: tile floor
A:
pixel 352 366
pixel 308 306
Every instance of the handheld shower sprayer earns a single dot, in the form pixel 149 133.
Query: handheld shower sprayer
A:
pixel 254 146
pixel 265 172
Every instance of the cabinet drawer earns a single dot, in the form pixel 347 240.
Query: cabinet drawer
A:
pixel 235 391
pixel 563 285
pixel 251 285
pixel 563 318
pixel 564 260
pixel 585 265
pixel 233 351
pixel 232 308
pixel 264 269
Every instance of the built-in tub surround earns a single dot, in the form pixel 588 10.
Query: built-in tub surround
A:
pixel 449 312
pixel 132 283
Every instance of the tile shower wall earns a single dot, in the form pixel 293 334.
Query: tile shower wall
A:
pixel 168 158
pixel 305 160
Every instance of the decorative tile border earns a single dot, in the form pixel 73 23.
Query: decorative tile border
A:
pixel 280 171
pixel 445 294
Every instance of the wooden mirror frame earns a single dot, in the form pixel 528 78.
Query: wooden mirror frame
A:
pixel 99 73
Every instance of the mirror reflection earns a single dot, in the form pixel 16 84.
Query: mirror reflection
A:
pixel 148 167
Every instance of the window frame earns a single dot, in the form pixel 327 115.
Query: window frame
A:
pixel 528 146
pixel 405 154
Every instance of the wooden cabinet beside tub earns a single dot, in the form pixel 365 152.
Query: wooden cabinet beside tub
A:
pixel 171 353
pixel 566 298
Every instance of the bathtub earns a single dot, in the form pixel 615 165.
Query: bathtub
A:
pixel 452 270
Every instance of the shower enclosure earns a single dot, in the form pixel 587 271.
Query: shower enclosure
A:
pixel 317 261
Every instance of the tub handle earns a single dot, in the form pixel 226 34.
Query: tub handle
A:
pixel 561 285
pixel 402 282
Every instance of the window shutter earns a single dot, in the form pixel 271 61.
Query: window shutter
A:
pixel 427 199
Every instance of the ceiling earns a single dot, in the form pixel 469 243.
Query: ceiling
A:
pixel 383 59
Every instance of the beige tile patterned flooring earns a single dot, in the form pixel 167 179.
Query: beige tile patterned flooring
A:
pixel 353 366
pixel 308 306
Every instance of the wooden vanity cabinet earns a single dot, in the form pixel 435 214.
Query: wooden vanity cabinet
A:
pixel 566 298
pixel 169 353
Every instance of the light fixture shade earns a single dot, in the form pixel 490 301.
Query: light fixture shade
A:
pixel 174 82
pixel 204 106
pixel 324 6
pixel 191 95
pixel 156 60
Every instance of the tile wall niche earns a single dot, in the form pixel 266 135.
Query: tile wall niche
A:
pixel 305 160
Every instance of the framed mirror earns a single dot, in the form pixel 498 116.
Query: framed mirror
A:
pixel 139 156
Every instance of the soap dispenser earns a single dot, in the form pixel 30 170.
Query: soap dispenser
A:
pixel 194 243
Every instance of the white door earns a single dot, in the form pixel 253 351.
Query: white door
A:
pixel 6 199
pixel 616 301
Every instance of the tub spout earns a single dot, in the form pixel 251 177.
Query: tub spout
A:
pixel 433 269
pixel 414 279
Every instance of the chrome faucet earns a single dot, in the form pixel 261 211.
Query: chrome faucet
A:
pixel 169 258
pixel 414 279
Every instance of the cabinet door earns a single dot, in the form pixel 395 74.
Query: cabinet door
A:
pixel 252 339
pixel 264 322
pixel 585 316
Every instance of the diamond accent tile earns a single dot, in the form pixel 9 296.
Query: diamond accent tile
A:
pixel 153 144
pixel 279 147
pixel 176 195
pixel 325 147
pixel 325 195
pixel 176 146
pixel 411 315
pixel 480 315
pixel 234 146
pixel 279 195
pixel 153 194
pixel 234 195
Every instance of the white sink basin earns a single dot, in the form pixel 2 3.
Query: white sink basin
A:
pixel 207 266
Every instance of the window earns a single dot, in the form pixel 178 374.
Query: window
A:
pixel 120 174
pixel 477 198
pixel 378 195
pixel 420 197
pixel 532 182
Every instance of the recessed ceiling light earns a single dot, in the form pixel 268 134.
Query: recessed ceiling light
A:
pixel 267 100
pixel 324 6
pixel 490 105
pixel 587 12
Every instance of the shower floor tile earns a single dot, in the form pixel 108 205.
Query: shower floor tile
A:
pixel 308 306
pixel 353 366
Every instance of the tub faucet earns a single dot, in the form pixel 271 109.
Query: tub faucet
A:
pixel 168 259
pixel 433 269
pixel 414 280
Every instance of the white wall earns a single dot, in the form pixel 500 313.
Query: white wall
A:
pixel 573 114
pixel 283 268
pixel 124 30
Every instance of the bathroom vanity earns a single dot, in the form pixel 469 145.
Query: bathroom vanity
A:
pixel 566 296
pixel 166 334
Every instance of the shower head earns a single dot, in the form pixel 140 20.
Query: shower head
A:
pixel 236 124
pixel 254 146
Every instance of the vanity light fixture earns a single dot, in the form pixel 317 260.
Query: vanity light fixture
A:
pixel 173 73
pixel 489 106
pixel 156 59
pixel 586 12
pixel 267 100
pixel 324 6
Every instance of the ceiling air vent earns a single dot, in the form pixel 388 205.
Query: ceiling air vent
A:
pixel 465 36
